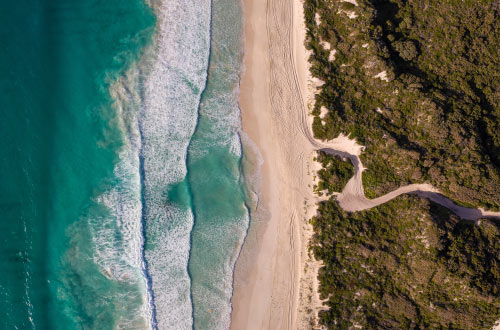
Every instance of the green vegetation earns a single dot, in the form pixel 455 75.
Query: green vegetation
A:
pixel 408 264
pixel 334 174
pixel 418 83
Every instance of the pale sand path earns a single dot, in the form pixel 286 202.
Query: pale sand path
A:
pixel 273 288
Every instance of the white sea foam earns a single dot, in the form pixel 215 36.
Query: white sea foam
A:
pixel 168 95
pixel 157 113
pixel 235 145
pixel 118 242
pixel 220 108
pixel 172 89
pixel 215 291
pixel 117 235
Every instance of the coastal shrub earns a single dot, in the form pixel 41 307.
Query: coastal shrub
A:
pixel 407 264
pixel 335 172
pixel 417 83
pixel 431 69
pixel 406 49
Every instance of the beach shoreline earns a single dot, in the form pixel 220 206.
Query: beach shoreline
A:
pixel 275 284
pixel 251 301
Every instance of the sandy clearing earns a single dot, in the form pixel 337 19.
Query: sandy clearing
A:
pixel 382 76
pixel 331 56
pixel 354 2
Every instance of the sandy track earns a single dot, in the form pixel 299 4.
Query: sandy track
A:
pixel 353 197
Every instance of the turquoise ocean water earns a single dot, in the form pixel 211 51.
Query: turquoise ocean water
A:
pixel 122 199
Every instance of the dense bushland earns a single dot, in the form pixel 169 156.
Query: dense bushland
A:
pixel 418 83
pixel 408 264
pixel 334 174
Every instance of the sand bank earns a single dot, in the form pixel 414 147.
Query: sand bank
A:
pixel 274 264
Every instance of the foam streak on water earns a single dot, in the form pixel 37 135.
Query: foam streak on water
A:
pixel 214 175
pixel 117 235
pixel 171 95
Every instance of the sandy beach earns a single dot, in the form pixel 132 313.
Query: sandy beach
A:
pixel 271 289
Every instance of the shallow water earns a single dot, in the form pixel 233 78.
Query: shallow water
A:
pixel 215 176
